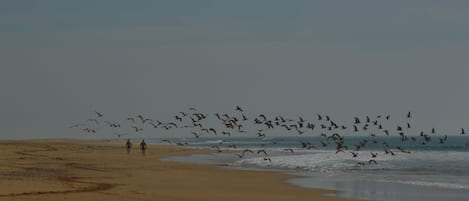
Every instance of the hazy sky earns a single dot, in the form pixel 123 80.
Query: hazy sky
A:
pixel 61 60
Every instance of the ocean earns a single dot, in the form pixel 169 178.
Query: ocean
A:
pixel 437 170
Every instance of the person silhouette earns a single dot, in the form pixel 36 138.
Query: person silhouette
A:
pixel 143 146
pixel 128 145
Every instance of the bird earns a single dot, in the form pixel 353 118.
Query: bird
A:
pixel 267 159
pixel 408 115
pixel 339 150
pixel 360 164
pixel 240 155
pixel 357 120
pixel 462 131
pixel 372 161
pixel 387 151
pixel 262 151
pixel 213 131
pixel 288 150
pixel 120 134
pixel 442 141
pixel 196 135
pixel 324 144
pixel 373 155
pixel 354 154
pixel 244 118
pixel 99 114
pixel 90 130
pixel 300 132
pixel 93 120
pixel 387 132
pixel 218 116
pixel 137 129
pixel 301 119
pixel 172 124
pixel 216 147
pixel 154 125
pixel 402 150
pixel 181 144
pixel 76 125
pixel 263 116
pixel 131 119
pixel 247 151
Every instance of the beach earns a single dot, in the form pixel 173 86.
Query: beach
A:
pixel 100 170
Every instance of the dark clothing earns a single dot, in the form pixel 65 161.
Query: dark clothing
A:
pixel 143 146
pixel 128 145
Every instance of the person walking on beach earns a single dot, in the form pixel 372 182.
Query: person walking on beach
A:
pixel 143 146
pixel 128 145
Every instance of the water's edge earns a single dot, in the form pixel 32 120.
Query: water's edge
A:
pixel 341 185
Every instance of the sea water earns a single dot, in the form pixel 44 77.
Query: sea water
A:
pixel 432 171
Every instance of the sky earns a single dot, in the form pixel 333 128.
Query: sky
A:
pixel 62 60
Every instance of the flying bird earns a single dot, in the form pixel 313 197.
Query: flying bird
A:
pixel 196 135
pixel 360 164
pixel 262 151
pixel 354 154
pixel 131 119
pixel 216 147
pixel 244 118
pixel 99 114
pixel 137 129
pixel 319 117
pixel 90 130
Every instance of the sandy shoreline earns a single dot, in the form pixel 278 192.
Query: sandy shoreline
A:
pixel 97 170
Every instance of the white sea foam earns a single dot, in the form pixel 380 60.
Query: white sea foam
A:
pixel 215 141
pixel 401 168
pixel 430 184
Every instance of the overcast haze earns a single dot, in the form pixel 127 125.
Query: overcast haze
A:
pixel 61 60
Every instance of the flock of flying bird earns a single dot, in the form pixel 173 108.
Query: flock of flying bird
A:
pixel 330 131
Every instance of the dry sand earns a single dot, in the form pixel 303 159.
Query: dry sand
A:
pixel 87 170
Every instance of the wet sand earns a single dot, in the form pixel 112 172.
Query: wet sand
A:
pixel 98 170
